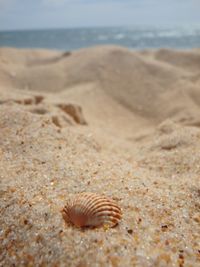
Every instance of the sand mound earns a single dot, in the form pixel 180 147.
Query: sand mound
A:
pixel 186 60
pixel 105 120
pixel 173 149
pixel 146 85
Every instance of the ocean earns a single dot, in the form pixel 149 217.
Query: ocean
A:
pixel 131 37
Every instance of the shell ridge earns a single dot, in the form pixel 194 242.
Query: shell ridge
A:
pixel 109 214
pixel 89 202
pixel 85 202
pixel 97 203
pixel 91 209
pixel 106 206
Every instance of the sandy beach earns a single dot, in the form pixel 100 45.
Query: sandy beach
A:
pixel 109 120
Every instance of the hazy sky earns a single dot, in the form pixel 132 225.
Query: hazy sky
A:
pixel 25 14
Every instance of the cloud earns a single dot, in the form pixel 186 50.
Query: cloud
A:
pixel 55 2
pixel 20 14
pixel 6 3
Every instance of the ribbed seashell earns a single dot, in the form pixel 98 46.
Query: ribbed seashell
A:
pixel 90 209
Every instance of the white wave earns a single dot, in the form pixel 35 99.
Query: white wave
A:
pixel 119 36
pixel 102 37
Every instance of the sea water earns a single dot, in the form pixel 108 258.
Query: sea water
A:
pixel 135 37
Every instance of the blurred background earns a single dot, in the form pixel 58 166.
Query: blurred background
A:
pixel 74 24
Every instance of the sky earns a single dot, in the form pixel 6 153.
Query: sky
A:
pixel 42 14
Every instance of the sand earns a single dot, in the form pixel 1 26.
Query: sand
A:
pixel 106 120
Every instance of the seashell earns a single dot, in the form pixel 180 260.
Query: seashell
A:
pixel 90 209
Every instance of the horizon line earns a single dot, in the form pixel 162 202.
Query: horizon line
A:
pixel 102 26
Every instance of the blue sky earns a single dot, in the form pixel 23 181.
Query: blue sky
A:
pixel 37 14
